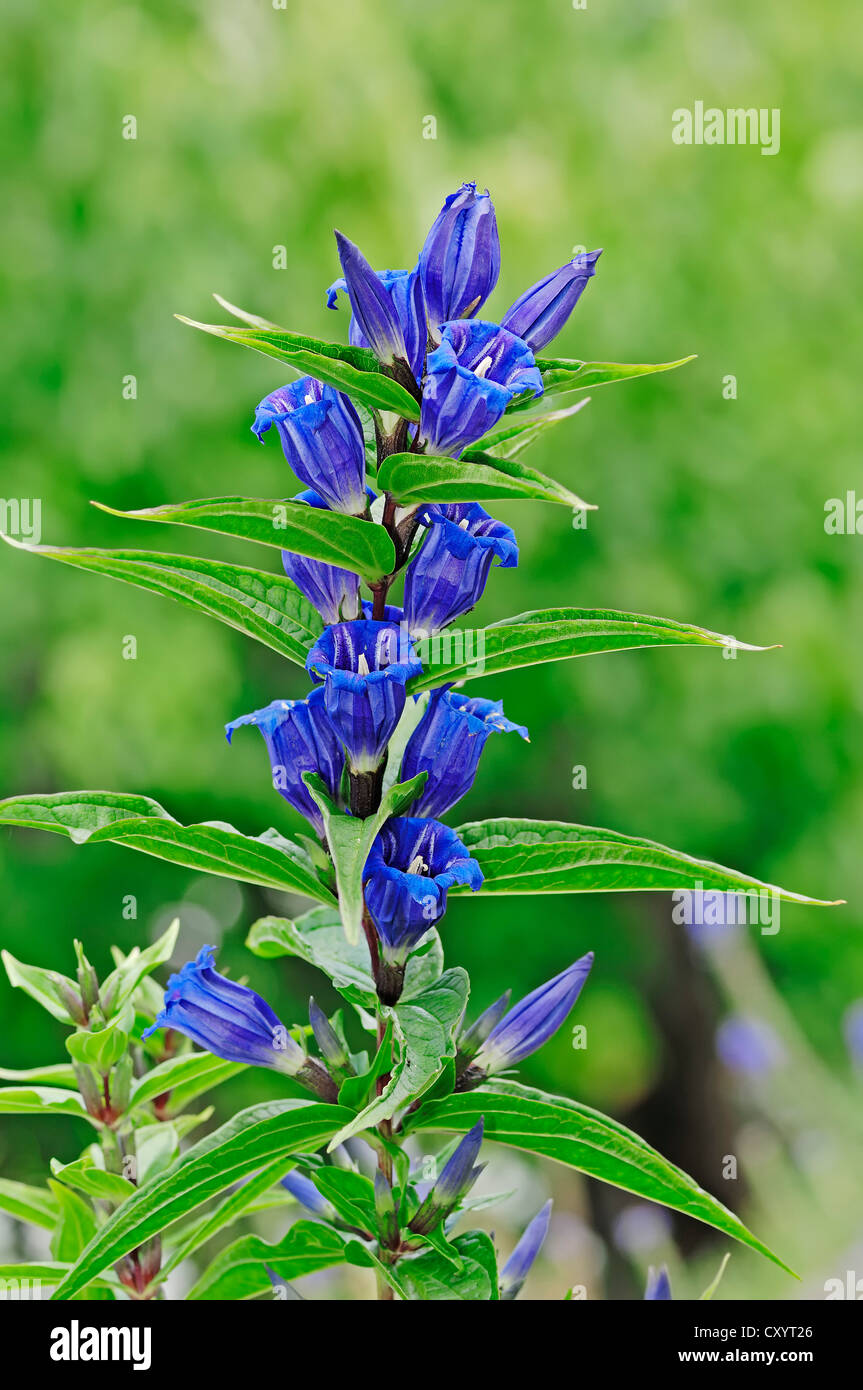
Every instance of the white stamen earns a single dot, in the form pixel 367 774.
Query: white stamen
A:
pixel 463 525
pixel 418 866
pixel 483 367
pixel 362 665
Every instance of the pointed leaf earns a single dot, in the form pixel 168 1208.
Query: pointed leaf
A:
pixel 561 374
pixel 420 478
pixel 250 1195
pixel 85 1177
pixel 27 1203
pixel 189 1075
pixel 507 441
pixel 41 1100
pixel 431 1276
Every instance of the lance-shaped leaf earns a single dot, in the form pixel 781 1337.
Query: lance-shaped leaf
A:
pixel 551 634
pixel 253 1138
pixel 351 369
pixel 95 1182
pixel 350 838
pixel 252 320
pixel 51 1272
pixel 424 1027
pixel 240 1271
pixel 421 478
pixel 267 607
pixel 507 441
pixel 257 1193
pixel 55 1074
pixel 353 544
pixel 562 374
pixel 90 817
pixel 41 1100
pixel 582 1138
pixel 536 856
pixel 28 1203
pixel 189 1075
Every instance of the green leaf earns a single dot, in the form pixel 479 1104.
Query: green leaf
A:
pixel 318 937
pixel 59 1074
pixel 267 607
pixel 26 1203
pixel 246 1198
pixel 534 856
pixel 76 1227
pixel 552 634
pixel 51 1272
pixel 561 374
pixel 189 1075
pixel 353 370
pixel 41 1100
pixel 355 1090
pixel 102 1048
pixel 509 440
pixel 350 542
pixel 39 984
pixel 121 984
pixel 240 1271
pixel 350 838
pixel 360 1255
pixel 419 478
pixel 253 1138
pixel 90 817
pixel 431 1276
pixel 95 1182
pixel 352 1195
pixel 253 320
pixel 424 1027
pixel 581 1138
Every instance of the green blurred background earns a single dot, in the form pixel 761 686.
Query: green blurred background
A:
pixel 260 128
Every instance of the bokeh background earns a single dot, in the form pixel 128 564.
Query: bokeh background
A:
pixel 262 127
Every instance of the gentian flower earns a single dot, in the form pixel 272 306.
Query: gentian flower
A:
pixel 458 1177
pixel 410 868
pixel 447 744
pixel 540 313
pixel 235 1023
pixel 377 306
pixel 460 261
pixel 364 667
pixel 528 1025
pixel 405 291
pixel 470 379
pixel 658 1284
pixel 307 1195
pixel 448 574
pixel 334 592
pixel 749 1046
pixel 299 738
pixel 470 1040
pixel 322 439
pixel 517 1267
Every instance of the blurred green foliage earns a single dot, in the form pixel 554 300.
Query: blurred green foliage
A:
pixel 260 128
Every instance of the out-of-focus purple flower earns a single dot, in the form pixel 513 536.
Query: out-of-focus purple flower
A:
pixel 749 1046
pixel 852 1026
pixel 307 1195
pixel 299 738
pixel 460 260
pixel 470 380
pixel 517 1267
pixel 658 1284
pixel 641 1227
pixel 470 1040
pixel 528 1025
pixel 447 744
pixel 540 313
pixel 334 592
pixel 322 439
pixel 374 307
pixel 448 575
pixel 404 288
pixel 458 1177
pixel 364 667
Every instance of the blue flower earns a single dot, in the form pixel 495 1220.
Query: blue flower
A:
pixel 364 667
pixel 322 439
pixel 299 738
pixel 377 305
pixel 307 1195
pixel 540 313
pixel 749 1046
pixel 517 1267
pixel 448 575
pixel 470 380
pixel 334 592
pixel 658 1284
pixel 458 1177
pixel 529 1024
pixel 460 261
pixel 405 291
pixel 411 866
pixel 447 744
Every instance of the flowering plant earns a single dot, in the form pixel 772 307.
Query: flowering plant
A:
pixel 399 439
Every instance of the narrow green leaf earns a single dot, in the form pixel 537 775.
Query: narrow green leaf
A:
pixel 91 817
pixel 350 542
pixel 430 1276
pixel 27 1203
pixel 38 983
pixel 41 1100
pixel 240 1271
pixel 573 1134
pixel 354 1091
pixel 352 1195
pixel 552 634
pixel 51 1272
pixel 253 320
pixel 237 1204
pixel 77 1224
pixel 353 370
pixel 509 440
pixel 419 478
pixel 194 1072
pixel 561 374
pixel 59 1074
pixel 85 1177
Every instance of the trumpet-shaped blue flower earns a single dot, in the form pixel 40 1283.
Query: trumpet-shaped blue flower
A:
pixel 517 1267
pixel 411 866
pixel 404 288
pixel 460 260
pixel 448 575
pixel 376 305
pixel 458 1177
pixel 540 313
pixel 307 1195
pixel 470 379
pixel 658 1284
pixel 447 744
pixel 364 667
pixel 334 592
pixel 322 439
pixel 299 738
pixel 529 1024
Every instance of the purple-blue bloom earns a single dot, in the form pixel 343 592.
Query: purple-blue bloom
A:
pixel 411 866
pixel 531 1022
pixel 334 592
pixel 853 1029
pixel 540 313
pixel 448 574
pixel 374 308
pixel 364 667
pixel 460 260
pixel 749 1046
pixel 517 1267
pixel 307 1195
pixel 322 439
pixel 447 744
pixel 658 1284
pixel 470 380
pixel 299 738
pixel 458 1177
pixel 405 291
